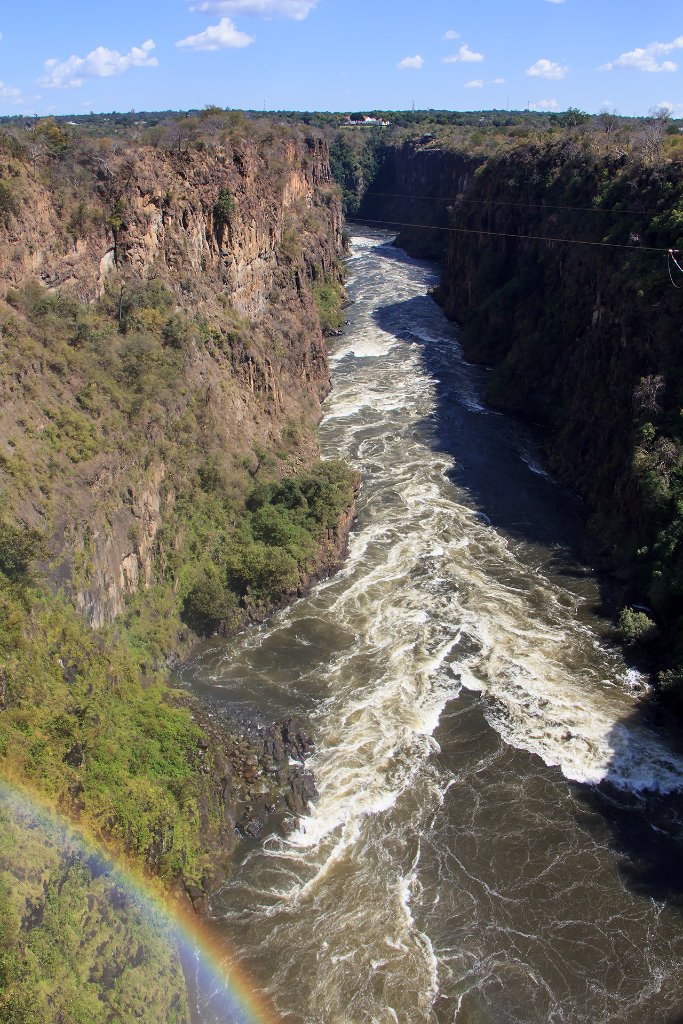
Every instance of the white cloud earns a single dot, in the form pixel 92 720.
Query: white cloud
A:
pixel 99 63
pixel 411 63
pixel 545 105
pixel 646 58
pixel 451 34
pixel 555 1
pixel 296 9
pixel 223 36
pixel 675 109
pixel 479 83
pixel 465 55
pixel 8 93
pixel 547 69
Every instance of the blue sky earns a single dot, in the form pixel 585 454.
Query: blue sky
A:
pixel 68 56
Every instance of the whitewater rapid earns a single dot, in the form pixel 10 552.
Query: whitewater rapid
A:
pixel 458 684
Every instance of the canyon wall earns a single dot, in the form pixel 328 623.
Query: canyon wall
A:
pixel 417 183
pixel 231 237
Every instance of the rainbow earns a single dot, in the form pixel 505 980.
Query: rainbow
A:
pixel 233 997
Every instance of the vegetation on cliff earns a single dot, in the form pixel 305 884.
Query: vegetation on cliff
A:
pixel 162 371
pixel 585 340
pixel 82 727
pixel 74 947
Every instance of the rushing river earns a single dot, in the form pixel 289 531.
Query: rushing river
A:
pixel 465 862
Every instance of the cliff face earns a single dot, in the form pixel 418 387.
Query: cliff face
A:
pixel 232 237
pixel 573 330
pixel 417 183
pixel 150 208
pixel 162 365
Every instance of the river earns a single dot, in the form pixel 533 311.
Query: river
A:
pixel 497 839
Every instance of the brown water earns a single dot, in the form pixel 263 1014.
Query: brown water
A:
pixel 466 862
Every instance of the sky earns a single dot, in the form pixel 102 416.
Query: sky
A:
pixel 73 57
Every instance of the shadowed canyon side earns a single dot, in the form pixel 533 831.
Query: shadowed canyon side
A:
pixel 584 339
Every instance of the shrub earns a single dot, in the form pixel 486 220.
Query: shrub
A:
pixel 261 495
pixel 671 681
pixel 136 300
pixel 55 138
pixel 290 244
pixel 275 526
pixel 329 297
pixel 8 202
pixel 290 495
pixel 262 572
pixel 176 331
pixel 208 603
pixel 19 547
pixel 636 627
pixel 224 209
pixel 212 476
pixel 328 491
pixel 82 219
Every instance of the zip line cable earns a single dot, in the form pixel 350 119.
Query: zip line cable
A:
pixel 506 234
pixel 500 202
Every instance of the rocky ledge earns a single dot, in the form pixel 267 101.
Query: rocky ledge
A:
pixel 254 781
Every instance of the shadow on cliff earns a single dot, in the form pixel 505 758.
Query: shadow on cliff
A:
pixel 645 828
pixel 497 462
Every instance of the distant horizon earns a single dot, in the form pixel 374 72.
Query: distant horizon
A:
pixel 311 112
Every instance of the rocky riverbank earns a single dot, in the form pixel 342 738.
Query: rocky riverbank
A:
pixel 254 773
pixel 255 780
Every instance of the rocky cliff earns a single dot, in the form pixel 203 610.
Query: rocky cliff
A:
pixel 162 365
pixel 417 182
pixel 220 242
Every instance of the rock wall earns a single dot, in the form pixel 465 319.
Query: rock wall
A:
pixel 120 214
pixel 418 183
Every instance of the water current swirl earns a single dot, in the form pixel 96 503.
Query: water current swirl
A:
pixel 465 862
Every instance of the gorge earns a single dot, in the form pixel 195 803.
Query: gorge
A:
pixel 497 832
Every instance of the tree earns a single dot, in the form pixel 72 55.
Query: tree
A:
pixel 224 209
pixel 208 603
pixel 646 393
pixel 19 547
pixel 607 121
pixel 653 132
pixel 573 117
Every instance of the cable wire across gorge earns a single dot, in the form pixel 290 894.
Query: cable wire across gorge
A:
pixel 670 253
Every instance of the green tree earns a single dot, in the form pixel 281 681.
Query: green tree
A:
pixel 208 602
